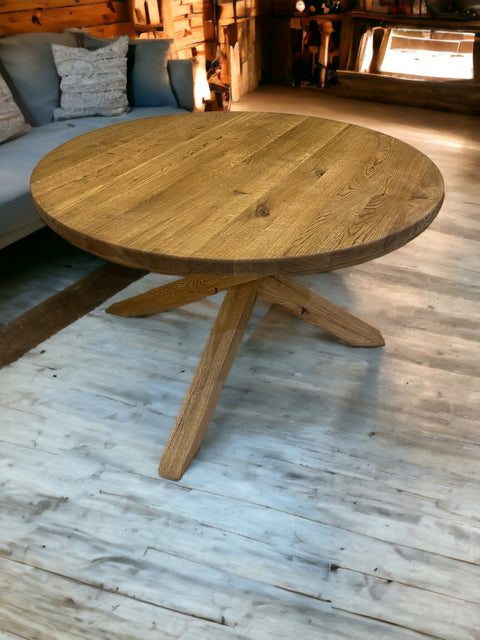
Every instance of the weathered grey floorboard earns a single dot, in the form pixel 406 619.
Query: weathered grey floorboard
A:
pixel 239 540
pixel 99 613
pixel 336 493
pixel 67 608
pixel 4 635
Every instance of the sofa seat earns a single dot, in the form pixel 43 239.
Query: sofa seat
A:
pixel 18 158
pixel 52 82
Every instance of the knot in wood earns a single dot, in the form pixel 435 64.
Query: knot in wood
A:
pixel 262 211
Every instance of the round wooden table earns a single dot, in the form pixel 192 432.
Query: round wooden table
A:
pixel 237 202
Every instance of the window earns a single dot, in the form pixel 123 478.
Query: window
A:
pixel 428 54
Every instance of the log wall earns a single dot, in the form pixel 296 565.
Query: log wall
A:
pixel 101 18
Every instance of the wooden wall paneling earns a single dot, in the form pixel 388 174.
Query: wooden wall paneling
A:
pixel 108 18
pixel 7 6
pixel 145 15
pixel 188 37
pixel 184 8
pixel 184 22
pixel 242 42
pixel 189 22
pixel 168 19
pixel 112 30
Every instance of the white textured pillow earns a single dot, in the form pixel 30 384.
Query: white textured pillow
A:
pixel 12 122
pixel 94 83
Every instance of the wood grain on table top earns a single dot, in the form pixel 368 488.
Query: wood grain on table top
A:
pixel 236 193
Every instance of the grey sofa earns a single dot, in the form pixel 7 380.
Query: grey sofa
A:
pixel 162 87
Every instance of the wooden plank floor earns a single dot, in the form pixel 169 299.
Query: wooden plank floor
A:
pixel 336 495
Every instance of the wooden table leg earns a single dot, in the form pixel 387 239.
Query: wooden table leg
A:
pixel 211 373
pixel 311 307
pixel 175 294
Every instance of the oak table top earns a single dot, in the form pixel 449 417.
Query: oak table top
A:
pixel 236 193
pixel 236 202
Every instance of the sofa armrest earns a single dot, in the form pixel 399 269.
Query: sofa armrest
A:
pixel 181 79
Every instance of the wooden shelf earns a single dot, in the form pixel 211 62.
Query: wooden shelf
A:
pixel 420 21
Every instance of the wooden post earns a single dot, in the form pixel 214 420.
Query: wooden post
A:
pixel 476 58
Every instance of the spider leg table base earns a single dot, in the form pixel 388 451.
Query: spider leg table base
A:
pixel 224 339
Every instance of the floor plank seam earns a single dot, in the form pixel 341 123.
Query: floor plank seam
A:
pixel 101 587
pixel 392 624
pixel 348 530
pixel 405 584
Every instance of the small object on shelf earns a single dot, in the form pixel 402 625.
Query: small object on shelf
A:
pixel 398 7
pixel 314 8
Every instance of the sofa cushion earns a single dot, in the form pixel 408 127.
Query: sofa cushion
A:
pixel 93 82
pixel 28 62
pixel 12 122
pixel 148 78
pixel 150 83
pixel 181 79
pixel 92 43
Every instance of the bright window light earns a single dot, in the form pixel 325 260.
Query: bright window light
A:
pixel 431 54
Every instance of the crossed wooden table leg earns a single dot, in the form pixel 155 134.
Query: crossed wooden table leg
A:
pixel 224 339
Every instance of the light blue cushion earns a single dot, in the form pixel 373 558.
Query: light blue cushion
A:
pixel 148 77
pixel 29 65
pixel 149 80
pixel 181 79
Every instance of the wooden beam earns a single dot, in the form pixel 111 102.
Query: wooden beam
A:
pixel 57 312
